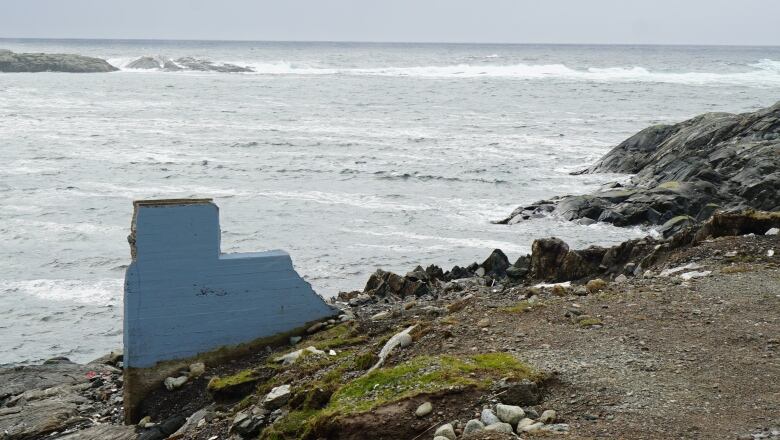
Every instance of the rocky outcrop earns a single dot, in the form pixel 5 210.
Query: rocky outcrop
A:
pixel 60 396
pixel 683 173
pixel 185 63
pixel 51 62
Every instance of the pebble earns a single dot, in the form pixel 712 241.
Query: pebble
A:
pixel 446 431
pixel 197 369
pixel 525 422
pixel 531 428
pixel 509 413
pixel 773 231
pixel 500 427
pixel 548 416
pixel 424 409
pixel 171 383
pixel 381 315
pixel 484 322
pixel 595 285
pixel 489 417
pixel 473 425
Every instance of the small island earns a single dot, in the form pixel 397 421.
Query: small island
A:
pixel 51 62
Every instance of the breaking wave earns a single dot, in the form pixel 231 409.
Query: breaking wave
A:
pixel 765 72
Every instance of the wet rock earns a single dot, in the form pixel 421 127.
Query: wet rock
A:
pixel 163 430
pixel 446 431
pixel 510 413
pixel 473 425
pixel 683 171
pixel 277 397
pixel 200 65
pixel 51 62
pixel 424 409
pixel 146 63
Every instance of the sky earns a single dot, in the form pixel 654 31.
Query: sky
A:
pixel 742 22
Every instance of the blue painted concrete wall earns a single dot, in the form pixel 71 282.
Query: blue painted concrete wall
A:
pixel 183 297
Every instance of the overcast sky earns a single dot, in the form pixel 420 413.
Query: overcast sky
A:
pixel 748 22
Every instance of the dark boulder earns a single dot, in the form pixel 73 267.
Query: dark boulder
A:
pixel 387 284
pixel 713 161
pixel 547 256
pixel 52 62
pixel 496 264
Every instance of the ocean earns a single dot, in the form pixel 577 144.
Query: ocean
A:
pixel 350 156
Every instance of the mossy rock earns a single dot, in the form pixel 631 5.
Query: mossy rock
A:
pixel 421 375
pixel 237 385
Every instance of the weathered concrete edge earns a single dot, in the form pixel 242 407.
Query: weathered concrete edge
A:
pixel 139 382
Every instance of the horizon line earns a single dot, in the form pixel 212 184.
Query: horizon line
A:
pixel 383 42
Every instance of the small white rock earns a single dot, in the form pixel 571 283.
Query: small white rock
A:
pixel 446 431
pixel 770 253
pixel 277 397
pixel 171 383
pixel 197 369
pixel 381 315
pixel 696 274
pixel 331 352
pixel 424 409
pixel 548 416
pixel 509 413
pixel 773 231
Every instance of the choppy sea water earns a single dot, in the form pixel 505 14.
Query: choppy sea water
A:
pixel 349 156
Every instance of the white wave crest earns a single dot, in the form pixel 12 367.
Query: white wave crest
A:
pixel 98 292
pixel 765 72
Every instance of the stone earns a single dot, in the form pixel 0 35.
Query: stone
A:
pixel 500 427
pixel 424 409
pixel 473 425
pixel 548 416
pixel 103 432
pixel 509 413
pixel 489 417
pixel 547 256
pixel 446 431
pixel 480 272
pixel 146 63
pixel 772 231
pixel 296 339
pixel 695 274
pixel 558 428
pixel 595 285
pixel 290 358
pixel 621 279
pixel 524 422
pixel 381 315
pixel 248 423
pixel 531 428
pixel 277 397
pixel 197 369
pixel 440 437
pixel 484 322
pixel 524 393
pixel 683 172
pixel 52 62
pixel 315 328
pixel 172 383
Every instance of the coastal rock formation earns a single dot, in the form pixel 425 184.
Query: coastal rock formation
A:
pixel 683 173
pixel 185 63
pixel 51 62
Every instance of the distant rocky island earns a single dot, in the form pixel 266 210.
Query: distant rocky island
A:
pixel 683 173
pixel 51 62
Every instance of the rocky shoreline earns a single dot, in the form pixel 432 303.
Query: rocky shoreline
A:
pixel 494 350
pixel 682 174
pixel 655 338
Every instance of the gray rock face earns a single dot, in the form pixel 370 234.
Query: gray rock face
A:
pixel 51 62
pixel 184 63
pixel 715 160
